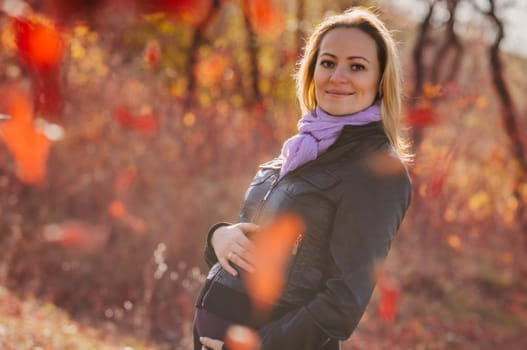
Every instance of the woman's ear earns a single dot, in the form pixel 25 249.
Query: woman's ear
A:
pixel 379 89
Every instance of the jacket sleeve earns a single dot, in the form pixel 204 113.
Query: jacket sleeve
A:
pixel 367 217
pixel 210 255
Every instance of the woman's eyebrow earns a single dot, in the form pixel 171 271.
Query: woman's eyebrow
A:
pixel 349 57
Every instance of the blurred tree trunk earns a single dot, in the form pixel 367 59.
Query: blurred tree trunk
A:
pixel 508 114
pixel 452 44
pixel 252 49
pixel 193 56
pixel 420 69
pixel 445 62
pixel 258 112
pixel 433 65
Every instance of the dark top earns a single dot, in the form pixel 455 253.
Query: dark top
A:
pixel 352 200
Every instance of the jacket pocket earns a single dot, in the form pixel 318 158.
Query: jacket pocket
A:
pixel 311 187
pixel 321 179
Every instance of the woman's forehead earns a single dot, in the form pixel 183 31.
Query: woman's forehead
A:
pixel 348 42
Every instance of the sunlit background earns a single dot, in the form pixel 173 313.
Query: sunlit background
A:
pixel 128 128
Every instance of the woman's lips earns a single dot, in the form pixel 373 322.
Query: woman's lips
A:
pixel 339 93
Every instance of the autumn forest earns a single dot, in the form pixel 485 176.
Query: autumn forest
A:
pixel 129 127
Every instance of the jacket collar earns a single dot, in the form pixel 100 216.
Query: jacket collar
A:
pixel 352 140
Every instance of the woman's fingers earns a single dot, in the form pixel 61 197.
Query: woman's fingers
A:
pixel 213 344
pixel 245 246
pixel 232 245
pixel 241 261
pixel 237 259
pixel 245 243
pixel 225 264
pixel 245 254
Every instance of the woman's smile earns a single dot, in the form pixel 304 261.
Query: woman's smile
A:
pixel 338 94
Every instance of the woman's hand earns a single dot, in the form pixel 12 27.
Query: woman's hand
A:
pixel 231 244
pixel 209 343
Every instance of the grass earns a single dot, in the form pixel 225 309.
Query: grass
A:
pixel 33 324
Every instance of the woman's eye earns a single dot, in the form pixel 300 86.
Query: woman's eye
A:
pixel 327 64
pixel 357 66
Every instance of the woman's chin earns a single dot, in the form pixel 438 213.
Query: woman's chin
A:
pixel 339 112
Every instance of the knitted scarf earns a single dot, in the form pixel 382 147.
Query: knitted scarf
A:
pixel 318 130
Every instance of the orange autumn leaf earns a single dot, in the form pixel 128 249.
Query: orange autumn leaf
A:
pixel 265 17
pixel 385 164
pixel 454 242
pixel 39 43
pixel 274 245
pixel 117 209
pixel 211 70
pixel 28 146
pixel 242 338
pixel 144 123
pixel 431 91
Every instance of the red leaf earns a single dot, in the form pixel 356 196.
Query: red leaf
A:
pixel 421 117
pixel 153 54
pixel 146 123
pixel 28 146
pixel 388 300
pixel 40 45
pixel 192 12
pixel 265 18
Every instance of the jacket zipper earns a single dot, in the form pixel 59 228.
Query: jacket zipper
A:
pixel 258 212
pixel 299 238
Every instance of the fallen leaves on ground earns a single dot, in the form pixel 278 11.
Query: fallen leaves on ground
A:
pixel 35 324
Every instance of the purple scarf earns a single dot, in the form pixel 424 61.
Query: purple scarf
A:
pixel 318 130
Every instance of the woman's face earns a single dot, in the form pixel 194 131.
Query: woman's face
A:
pixel 347 71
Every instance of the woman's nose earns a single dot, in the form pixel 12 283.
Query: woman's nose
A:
pixel 339 74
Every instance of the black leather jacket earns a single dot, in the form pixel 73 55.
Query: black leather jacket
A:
pixel 352 199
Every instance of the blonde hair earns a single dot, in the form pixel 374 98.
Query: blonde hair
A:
pixel 390 84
